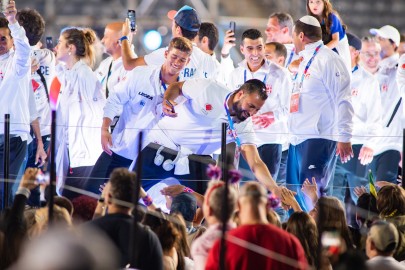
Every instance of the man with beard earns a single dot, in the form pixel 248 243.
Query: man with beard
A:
pixel 192 130
pixel 321 112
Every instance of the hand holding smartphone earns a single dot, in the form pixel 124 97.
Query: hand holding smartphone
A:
pixel 232 26
pixel 4 4
pixel 170 105
pixel 132 19
pixel 49 43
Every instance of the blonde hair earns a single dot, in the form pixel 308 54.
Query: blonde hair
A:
pixel 41 219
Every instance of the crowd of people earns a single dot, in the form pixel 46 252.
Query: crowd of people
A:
pixel 314 120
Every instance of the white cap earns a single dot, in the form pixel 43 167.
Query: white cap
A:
pixel 310 20
pixel 387 31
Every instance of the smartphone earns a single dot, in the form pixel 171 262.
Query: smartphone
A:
pixel 132 19
pixel 4 4
pixel 171 105
pixel 232 26
pixel 49 43
pixel 42 178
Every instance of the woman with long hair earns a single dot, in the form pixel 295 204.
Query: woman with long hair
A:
pixel 302 226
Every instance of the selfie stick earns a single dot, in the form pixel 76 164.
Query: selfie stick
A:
pixel 6 160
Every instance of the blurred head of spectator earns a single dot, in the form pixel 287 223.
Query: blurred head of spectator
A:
pixel 330 216
pixel 59 249
pixel 391 201
pixel 186 205
pixel 382 239
pixel 213 198
pixel 84 207
pixel 64 203
pixel 168 236
pixel 366 211
pixel 60 217
pixel 304 228
pixel 252 204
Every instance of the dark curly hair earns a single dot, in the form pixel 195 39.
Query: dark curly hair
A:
pixel 33 24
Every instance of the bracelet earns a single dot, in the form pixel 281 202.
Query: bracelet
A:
pixel 187 189
pixel 147 200
pixel 23 191
pixel 123 38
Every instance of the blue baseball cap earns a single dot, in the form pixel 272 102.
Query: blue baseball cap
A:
pixel 354 41
pixel 186 18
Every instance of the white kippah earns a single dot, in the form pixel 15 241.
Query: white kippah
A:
pixel 310 20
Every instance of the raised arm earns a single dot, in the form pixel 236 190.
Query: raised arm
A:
pixel 128 58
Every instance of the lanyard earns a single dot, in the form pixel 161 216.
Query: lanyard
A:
pixel 231 127
pixel 161 80
pixel 244 77
pixel 355 68
pixel 291 57
pixel 107 77
pixel 308 65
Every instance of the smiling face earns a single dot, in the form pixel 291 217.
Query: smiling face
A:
pixel 370 55
pixel 6 41
pixel 245 106
pixel 176 60
pixel 253 50
pixel 316 6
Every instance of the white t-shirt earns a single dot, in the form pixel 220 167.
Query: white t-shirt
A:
pixel 139 94
pixel 201 64
pixel 278 87
pixel 325 109
pixel 197 126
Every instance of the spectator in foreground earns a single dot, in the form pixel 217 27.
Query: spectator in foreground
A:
pixel 256 230
pixel 391 205
pixel 118 222
pixel 381 244
pixel 212 209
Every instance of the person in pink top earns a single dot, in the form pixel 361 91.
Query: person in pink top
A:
pixel 212 213
pixel 256 244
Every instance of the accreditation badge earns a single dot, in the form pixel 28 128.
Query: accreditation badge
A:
pixel 295 102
